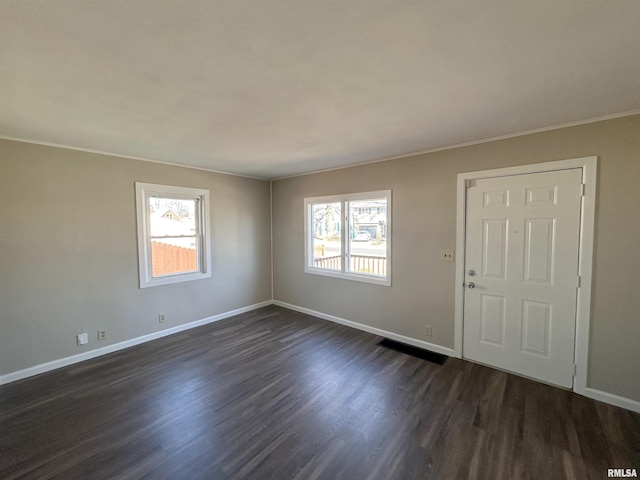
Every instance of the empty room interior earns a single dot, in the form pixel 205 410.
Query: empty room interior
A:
pixel 319 240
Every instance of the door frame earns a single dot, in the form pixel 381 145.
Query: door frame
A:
pixel 585 253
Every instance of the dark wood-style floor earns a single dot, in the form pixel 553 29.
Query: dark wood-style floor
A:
pixel 275 394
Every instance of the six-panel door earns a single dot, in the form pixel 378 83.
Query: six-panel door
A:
pixel 522 246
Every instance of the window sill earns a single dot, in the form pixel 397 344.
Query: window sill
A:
pixel 170 279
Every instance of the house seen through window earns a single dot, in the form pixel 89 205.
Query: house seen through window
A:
pixel 348 236
pixel 173 239
pixel 173 235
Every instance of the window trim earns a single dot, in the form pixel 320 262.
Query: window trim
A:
pixel 143 192
pixel 344 199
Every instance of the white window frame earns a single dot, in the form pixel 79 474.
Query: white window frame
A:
pixel 144 191
pixel 344 237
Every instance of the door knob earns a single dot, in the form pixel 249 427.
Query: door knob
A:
pixel 471 285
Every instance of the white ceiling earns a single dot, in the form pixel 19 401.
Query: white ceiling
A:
pixel 281 87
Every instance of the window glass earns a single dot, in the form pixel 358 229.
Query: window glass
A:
pixel 349 236
pixel 173 234
pixel 367 236
pixel 326 231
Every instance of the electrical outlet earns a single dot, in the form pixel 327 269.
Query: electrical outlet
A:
pixel 83 338
pixel 161 318
pixel 102 334
pixel 446 255
pixel 427 330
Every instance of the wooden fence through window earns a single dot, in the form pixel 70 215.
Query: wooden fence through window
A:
pixel 169 259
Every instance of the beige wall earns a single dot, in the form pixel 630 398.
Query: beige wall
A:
pixel 68 255
pixel 424 221
pixel 68 251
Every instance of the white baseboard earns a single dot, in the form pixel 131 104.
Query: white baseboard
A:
pixel 611 399
pixel 63 362
pixel 450 352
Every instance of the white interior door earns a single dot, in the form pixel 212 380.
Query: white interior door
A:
pixel 521 273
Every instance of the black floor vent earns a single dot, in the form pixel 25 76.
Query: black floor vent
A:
pixel 413 351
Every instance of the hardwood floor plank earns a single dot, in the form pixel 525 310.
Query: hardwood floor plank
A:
pixel 276 394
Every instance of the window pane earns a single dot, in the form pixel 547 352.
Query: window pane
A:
pixel 326 229
pixel 172 223
pixel 368 236
pixel 172 216
pixel 177 255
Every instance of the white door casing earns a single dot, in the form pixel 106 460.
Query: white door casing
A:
pixel 521 330
pixel 522 242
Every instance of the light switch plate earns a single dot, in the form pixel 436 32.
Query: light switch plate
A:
pixel 447 255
